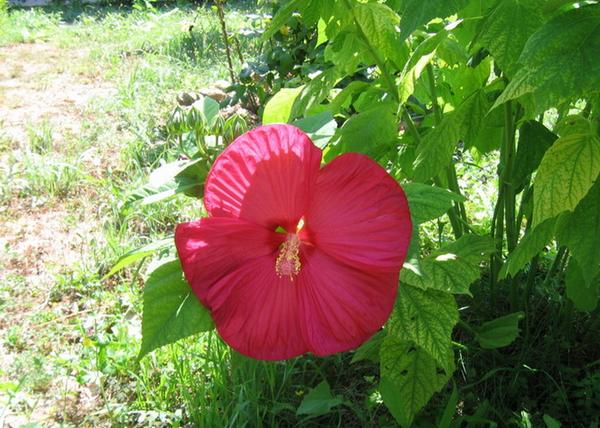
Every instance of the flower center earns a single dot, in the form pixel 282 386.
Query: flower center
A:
pixel 288 260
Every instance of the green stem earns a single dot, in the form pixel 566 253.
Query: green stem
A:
pixel 457 213
pixel 562 252
pixel 512 234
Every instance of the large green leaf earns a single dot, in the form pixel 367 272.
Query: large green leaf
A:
pixel 506 30
pixel 415 13
pixel 532 243
pixel 566 173
pixel 584 294
pixel 499 332
pixel 534 140
pixel 580 232
pixel 279 108
pixel 282 16
pixel 171 310
pixel 409 378
pixel 347 50
pixel 365 131
pixel 561 61
pixel 436 149
pixel 452 268
pixel 425 317
pixel 428 202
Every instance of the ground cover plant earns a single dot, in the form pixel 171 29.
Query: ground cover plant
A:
pixel 487 113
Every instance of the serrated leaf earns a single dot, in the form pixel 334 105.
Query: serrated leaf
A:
pixel 347 50
pixel 453 268
pixel 319 127
pixel 437 147
pixel 532 243
pixel 378 24
pixel 584 294
pixel 415 13
pixel 566 173
pixel 580 232
pixel 499 332
pixel 279 108
pixel 314 92
pixel 409 378
pixel 171 310
pixel 534 140
pixel 506 30
pixel 561 61
pixel 428 202
pixel 138 254
pixel 426 318
pixel 319 401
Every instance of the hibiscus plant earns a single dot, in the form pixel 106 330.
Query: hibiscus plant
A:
pixel 346 218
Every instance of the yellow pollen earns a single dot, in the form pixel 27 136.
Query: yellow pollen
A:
pixel 288 260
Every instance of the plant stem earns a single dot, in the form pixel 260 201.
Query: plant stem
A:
pixel 459 214
pixel 512 234
pixel 221 15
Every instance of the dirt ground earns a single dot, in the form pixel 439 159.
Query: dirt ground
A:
pixel 38 84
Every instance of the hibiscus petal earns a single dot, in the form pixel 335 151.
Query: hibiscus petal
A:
pixel 359 214
pixel 342 307
pixel 257 313
pixel 213 247
pixel 265 177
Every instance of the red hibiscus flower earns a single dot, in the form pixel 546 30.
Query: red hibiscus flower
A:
pixel 324 285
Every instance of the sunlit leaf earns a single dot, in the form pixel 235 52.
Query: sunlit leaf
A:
pixel 171 310
pixel 499 332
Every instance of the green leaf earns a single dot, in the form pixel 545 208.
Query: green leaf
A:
pixel 138 254
pixel 409 378
pixel 426 318
pixel 580 232
pixel 185 176
pixel 550 421
pixel 171 310
pixel 319 127
pixel 347 50
pixel 279 107
pixel 506 30
pixel 378 24
pixel 584 294
pixel 532 243
pixel 499 332
pixel 319 401
pixel 561 61
pixel 365 131
pixel 566 173
pixel 428 202
pixel 437 147
pixel 415 65
pixel 415 13
pixel 453 268
pixel 534 140
pixel 314 92
pixel 370 349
